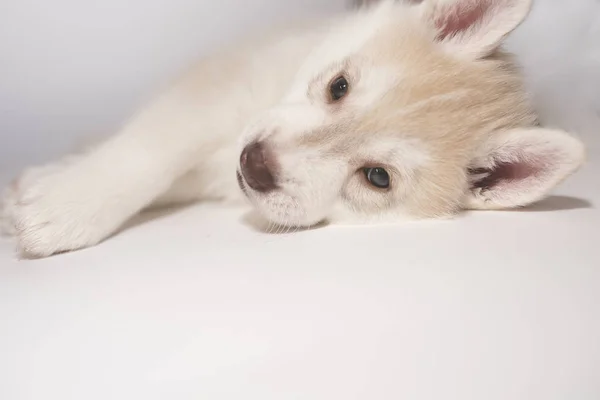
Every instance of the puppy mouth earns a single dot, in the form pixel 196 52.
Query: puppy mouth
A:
pixel 286 221
pixel 250 194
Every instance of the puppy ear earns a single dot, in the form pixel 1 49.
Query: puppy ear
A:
pixel 518 167
pixel 474 28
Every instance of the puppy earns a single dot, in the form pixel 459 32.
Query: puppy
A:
pixel 395 111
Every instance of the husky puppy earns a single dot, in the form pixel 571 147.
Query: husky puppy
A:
pixel 400 110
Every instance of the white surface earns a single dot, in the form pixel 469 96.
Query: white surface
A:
pixel 197 305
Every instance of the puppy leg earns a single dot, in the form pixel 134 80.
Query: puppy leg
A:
pixel 83 199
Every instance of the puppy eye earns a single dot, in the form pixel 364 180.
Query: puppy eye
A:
pixel 338 88
pixel 377 177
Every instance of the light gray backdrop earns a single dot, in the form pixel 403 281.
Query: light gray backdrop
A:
pixel 72 68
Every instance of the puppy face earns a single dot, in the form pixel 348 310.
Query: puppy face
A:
pixel 403 112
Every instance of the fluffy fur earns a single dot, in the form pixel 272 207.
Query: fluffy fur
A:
pixel 432 99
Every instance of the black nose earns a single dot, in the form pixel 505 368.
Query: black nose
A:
pixel 256 168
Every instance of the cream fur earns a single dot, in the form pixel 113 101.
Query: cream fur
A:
pixel 440 113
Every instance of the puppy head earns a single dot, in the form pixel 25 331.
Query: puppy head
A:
pixel 405 111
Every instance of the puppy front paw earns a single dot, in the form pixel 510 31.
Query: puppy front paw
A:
pixel 53 209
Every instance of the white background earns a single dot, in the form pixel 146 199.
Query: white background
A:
pixel 74 68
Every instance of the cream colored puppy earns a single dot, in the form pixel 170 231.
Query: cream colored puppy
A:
pixel 392 112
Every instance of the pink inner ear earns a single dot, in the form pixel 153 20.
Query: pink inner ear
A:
pixel 459 17
pixel 506 173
